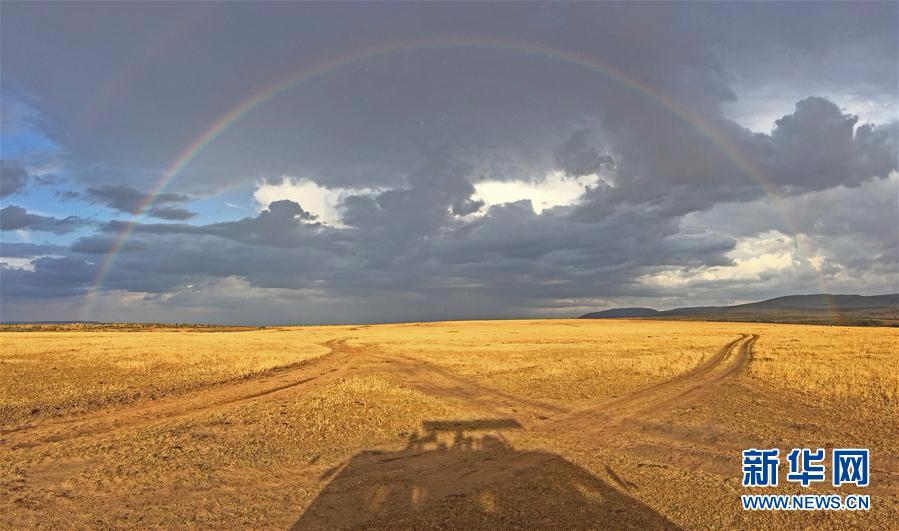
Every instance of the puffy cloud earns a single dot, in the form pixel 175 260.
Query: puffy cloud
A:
pixel 818 147
pixel 321 202
pixel 835 249
pixel 681 170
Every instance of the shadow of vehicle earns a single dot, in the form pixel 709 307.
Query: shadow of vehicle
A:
pixel 447 477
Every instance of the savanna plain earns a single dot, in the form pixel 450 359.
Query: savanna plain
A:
pixel 501 424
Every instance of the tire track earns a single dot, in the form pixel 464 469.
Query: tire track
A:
pixel 319 370
pixel 419 374
pixel 723 364
pixel 738 356
pixel 634 423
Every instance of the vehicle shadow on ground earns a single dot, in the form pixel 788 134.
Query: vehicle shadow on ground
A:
pixel 450 477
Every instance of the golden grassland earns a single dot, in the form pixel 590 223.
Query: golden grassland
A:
pixel 552 360
pixel 57 372
pixel 60 372
pixel 831 362
pixel 265 460
pixel 556 361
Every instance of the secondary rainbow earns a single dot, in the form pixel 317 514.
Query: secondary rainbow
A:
pixel 216 128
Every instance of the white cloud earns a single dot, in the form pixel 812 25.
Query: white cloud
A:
pixel 323 202
pixel 18 263
pixel 753 258
pixel 760 108
pixel 557 189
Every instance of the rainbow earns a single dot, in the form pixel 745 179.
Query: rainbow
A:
pixel 698 123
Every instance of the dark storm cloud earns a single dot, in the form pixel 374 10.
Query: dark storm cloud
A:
pixel 101 244
pixel 509 254
pixel 785 46
pixel 283 224
pixel 850 246
pixel 130 200
pixel 13 178
pixel 366 122
pixel 29 250
pixel 15 217
pixel 399 219
pixel 577 155
pixel 51 278
pixel 682 170
pixel 818 147
pixel 405 139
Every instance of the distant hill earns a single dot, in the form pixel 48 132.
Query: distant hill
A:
pixel 621 312
pixel 842 302
pixel 861 310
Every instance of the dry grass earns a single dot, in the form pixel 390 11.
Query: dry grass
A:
pixel 358 412
pixel 60 372
pixel 557 361
pixel 831 363
pixel 262 462
pixel 553 361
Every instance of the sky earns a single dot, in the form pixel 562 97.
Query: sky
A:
pixel 286 162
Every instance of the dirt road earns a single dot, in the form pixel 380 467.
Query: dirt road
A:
pixel 525 461
pixel 324 368
pixel 344 358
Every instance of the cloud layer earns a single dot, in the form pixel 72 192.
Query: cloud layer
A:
pixel 483 177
